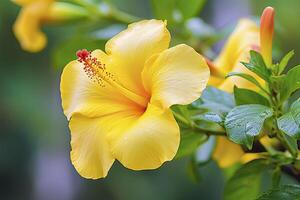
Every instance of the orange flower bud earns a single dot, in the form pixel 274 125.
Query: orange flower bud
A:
pixel 266 34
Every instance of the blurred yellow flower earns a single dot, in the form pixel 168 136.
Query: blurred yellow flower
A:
pixel 27 26
pixel 244 38
pixel 118 101
pixel 35 13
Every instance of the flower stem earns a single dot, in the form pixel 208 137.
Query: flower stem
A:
pixel 123 16
pixel 107 11
pixel 276 176
pixel 287 144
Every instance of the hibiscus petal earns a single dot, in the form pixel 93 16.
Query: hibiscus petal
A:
pixel 175 76
pixel 80 94
pixel 148 141
pixel 133 46
pixel 90 153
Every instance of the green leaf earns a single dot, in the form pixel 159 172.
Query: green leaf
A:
pixel 182 110
pixel 191 8
pixel 245 122
pixel 189 142
pixel 285 60
pixel 284 192
pixel 289 123
pixel 257 60
pixel 212 117
pixel 246 181
pixel 229 171
pixel 208 126
pixel 258 66
pixel 245 96
pixel 292 142
pixel 209 122
pixel 287 84
pixel 215 100
pixel 247 77
pixel 218 96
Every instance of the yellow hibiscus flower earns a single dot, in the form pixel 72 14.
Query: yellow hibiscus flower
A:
pixel 246 36
pixel 27 26
pixel 118 101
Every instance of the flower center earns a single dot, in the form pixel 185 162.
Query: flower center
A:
pixel 97 72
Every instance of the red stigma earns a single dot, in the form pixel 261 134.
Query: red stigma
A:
pixel 93 67
pixel 82 54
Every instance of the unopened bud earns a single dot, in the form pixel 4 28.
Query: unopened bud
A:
pixel 266 34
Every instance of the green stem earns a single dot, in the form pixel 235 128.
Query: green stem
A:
pixel 107 11
pixel 277 106
pixel 269 148
pixel 121 16
pixel 286 143
pixel 276 176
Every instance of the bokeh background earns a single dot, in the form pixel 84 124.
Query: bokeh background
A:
pixel 34 135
